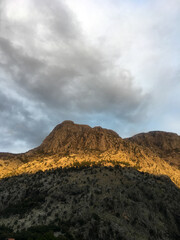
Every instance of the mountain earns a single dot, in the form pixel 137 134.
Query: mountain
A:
pixel 89 183
pixel 71 144
pixel 70 137
pixel 166 145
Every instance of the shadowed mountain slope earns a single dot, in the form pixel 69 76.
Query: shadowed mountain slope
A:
pixel 91 203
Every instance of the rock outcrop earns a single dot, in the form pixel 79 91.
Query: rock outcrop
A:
pixel 165 144
pixel 70 137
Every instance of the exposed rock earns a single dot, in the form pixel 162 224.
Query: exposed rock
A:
pixel 166 145
pixel 71 144
pixel 70 137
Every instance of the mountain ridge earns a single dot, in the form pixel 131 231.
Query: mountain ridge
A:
pixel 71 144
pixel 165 144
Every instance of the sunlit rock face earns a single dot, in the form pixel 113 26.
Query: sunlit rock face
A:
pixel 165 144
pixel 72 137
pixel 74 145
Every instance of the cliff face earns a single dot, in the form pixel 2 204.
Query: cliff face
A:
pixel 70 137
pixel 166 145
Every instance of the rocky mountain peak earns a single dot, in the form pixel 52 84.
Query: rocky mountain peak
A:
pixel 67 122
pixel 71 137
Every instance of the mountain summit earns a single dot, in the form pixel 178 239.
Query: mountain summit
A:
pixel 70 137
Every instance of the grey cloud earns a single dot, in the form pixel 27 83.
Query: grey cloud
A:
pixel 57 18
pixel 69 79
pixel 17 123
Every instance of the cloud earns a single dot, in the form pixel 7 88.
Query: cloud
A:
pixel 19 124
pixel 57 63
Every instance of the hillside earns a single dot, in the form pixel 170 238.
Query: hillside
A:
pixel 166 145
pixel 90 203
pixel 71 144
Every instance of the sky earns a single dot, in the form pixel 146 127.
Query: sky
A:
pixel 109 63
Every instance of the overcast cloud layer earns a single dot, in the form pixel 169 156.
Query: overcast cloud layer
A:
pixel 109 63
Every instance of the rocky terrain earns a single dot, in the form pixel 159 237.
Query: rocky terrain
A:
pixel 70 144
pixel 89 183
pixel 70 137
pixel 91 203
pixel 166 145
